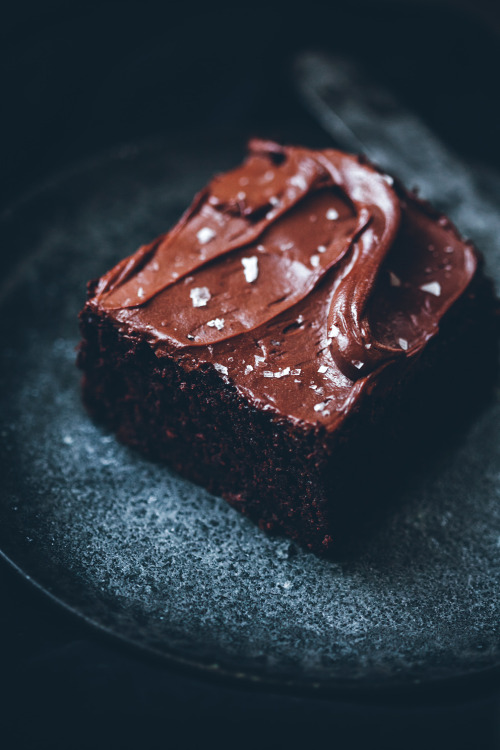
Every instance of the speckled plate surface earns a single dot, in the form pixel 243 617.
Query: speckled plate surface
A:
pixel 161 563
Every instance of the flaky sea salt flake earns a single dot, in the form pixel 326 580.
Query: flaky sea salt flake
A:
pixel 216 323
pixel 321 406
pixel 403 344
pixel 204 235
pixel 200 296
pixel 332 214
pixel 322 369
pixel 282 373
pixel 221 368
pixel 433 287
pixel 250 268
pixel 298 181
pixel 314 260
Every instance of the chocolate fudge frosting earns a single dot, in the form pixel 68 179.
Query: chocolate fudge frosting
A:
pixel 298 276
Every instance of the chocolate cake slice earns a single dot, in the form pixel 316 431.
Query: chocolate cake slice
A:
pixel 271 342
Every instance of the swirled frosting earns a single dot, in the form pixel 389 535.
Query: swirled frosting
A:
pixel 299 276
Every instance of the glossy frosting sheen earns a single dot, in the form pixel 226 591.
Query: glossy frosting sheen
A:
pixel 298 275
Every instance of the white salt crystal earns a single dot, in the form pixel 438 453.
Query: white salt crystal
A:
pixel 282 373
pixel 250 268
pixel 216 323
pixel 433 287
pixel 205 235
pixel 320 406
pixel 221 368
pixel 200 296
pixel 298 181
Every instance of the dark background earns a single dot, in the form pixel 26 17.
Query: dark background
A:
pixel 79 78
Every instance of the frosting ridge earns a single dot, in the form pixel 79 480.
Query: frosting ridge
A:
pixel 289 232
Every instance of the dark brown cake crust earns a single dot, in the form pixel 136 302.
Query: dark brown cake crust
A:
pixel 297 476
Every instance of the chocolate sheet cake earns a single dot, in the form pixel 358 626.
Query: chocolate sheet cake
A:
pixel 277 339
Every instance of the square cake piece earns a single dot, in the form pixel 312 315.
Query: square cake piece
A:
pixel 268 345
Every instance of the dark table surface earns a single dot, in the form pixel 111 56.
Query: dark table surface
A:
pixel 81 79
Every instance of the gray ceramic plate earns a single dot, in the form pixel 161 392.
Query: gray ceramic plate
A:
pixel 159 562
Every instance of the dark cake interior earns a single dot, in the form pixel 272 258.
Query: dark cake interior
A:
pixel 291 340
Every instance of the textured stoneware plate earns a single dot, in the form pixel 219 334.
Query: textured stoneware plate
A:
pixel 159 562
